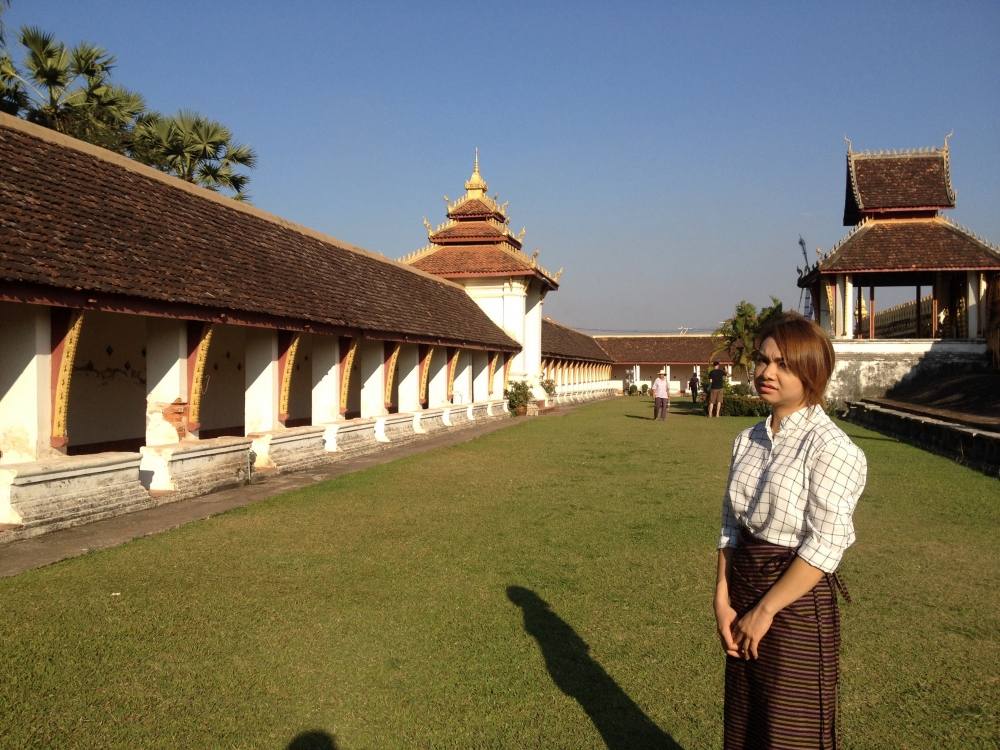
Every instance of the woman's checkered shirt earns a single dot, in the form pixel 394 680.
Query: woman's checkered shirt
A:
pixel 797 488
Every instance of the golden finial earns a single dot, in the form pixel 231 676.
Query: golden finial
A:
pixel 475 163
pixel 476 185
pixel 427 225
pixel 558 274
pixel 520 235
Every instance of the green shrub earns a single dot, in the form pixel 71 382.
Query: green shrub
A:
pixel 645 388
pixel 633 389
pixel 742 406
pixel 518 394
pixel 549 386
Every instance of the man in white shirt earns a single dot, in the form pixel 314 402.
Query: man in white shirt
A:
pixel 661 396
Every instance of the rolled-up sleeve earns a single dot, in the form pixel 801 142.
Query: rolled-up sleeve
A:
pixel 836 480
pixel 729 535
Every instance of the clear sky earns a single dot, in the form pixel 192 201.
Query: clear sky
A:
pixel 668 155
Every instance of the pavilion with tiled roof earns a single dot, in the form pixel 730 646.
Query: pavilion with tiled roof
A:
pixel 893 202
pixel 638 357
pixel 476 248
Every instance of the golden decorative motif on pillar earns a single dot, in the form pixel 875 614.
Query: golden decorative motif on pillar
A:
pixel 452 366
pixel 198 376
pixel 425 369
pixel 506 370
pixel 60 407
pixel 390 371
pixel 286 375
pixel 492 370
pixel 347 364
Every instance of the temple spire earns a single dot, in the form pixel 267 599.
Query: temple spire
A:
pixel 476 186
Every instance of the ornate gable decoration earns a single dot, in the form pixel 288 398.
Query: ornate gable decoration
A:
pixel 476 240
pixel 881 183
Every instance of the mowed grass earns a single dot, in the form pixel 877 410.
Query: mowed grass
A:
pixel 378 608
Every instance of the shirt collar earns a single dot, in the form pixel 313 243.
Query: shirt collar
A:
pixel 797 418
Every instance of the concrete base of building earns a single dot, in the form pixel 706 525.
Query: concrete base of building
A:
pixel 44 496
pixel 969 446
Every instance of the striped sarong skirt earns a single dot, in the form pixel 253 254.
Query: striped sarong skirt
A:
pixel 786 699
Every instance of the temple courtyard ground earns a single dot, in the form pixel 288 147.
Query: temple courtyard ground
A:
pixel 542 586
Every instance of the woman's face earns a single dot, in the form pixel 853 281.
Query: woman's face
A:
pixel 777 384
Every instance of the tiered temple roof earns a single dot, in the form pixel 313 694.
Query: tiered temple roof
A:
pixel 566 343
pixel 476 241
pixel 661 350
pixel 83 227
pixel 893 199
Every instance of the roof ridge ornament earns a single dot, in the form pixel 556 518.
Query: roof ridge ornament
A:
pixel 950 134
pixel 850 146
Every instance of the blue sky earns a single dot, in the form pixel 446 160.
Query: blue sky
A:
pixel 667 155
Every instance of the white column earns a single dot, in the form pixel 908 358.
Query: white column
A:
pixel 25 371
pixel 260 404
pixel 408 373
pixel 371 369
pixel 668 377
pixel 533 339
pixel 514 308
pixel 437 383
pixel 480 376
pixel 166 376
pixel 972 303
pixel 325 379
pixel 847 318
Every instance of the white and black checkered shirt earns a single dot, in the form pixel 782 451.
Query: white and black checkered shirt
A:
pixel 797 488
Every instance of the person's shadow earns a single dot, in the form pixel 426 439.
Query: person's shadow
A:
pixel 312 740
pixel 622 724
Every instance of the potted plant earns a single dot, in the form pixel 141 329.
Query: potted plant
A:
pixel 518 397
pixel 549 386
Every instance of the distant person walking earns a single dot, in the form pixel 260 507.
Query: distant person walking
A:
pixel 717 377
pixel 787 518
pixel 661 396
pixel 693 385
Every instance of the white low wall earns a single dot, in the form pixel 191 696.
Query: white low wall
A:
pixel 868 368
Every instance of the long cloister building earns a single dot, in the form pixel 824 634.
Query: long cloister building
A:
pixel 160 340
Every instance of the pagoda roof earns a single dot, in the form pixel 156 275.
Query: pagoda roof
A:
pixel 84 227
pixel 467 261
pixel 476 208
pixel 666 349
pixel 567 343
pixel 897 181
pixel 921 244
pixel 472 231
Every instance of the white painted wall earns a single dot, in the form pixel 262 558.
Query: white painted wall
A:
pixel 325 379
pixel 462 387
pixel 25 383
pixel 370 374
pixel 261 384
pixel 166 376
pixel 107 397
pixel 480 376
pixel 437 384
pixel 225 381
pixel 408 378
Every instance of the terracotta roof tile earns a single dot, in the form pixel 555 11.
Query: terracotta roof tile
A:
pixel 662 350
pixel 475 207
pixel 560 341
pixel 470 231
pixel 472 259
pixel 910 245
pixel 74 217
pixel 896 182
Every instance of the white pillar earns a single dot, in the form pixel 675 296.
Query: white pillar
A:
pixel 480 376
pixel 972 303
pixel 325 379
pixel 514 308
pixel 166 377
pixel 668 377
pixel 408 373
pixel 260 404
pixel 437 379
pixel 371 371
pixel 533 338
pixel 847 319
pixel 26 372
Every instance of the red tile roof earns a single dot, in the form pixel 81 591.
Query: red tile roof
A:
pixel 910 245
pixel 475 207
pixel 567 343
pixel 663 350
pixel 472 231
pixel 82 220
pixel 472 260
pixel 878 183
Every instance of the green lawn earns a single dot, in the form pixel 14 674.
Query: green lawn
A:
pixel 546 586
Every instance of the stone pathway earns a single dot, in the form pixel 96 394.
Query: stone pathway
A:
pixel 17 557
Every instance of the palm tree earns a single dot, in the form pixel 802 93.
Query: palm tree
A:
pixel 68 90
pixel 739 332
pixel 195 149
pixel 4 4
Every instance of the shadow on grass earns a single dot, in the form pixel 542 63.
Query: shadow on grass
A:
pixel 315 739
pixel 622 724
pixel 636 416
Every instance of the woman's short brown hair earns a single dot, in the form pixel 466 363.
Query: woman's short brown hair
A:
pixel 806 348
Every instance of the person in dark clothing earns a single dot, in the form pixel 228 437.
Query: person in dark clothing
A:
pixel 717 378
pixel 693 385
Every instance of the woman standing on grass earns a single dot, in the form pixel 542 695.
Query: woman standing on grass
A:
pixel 786 521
